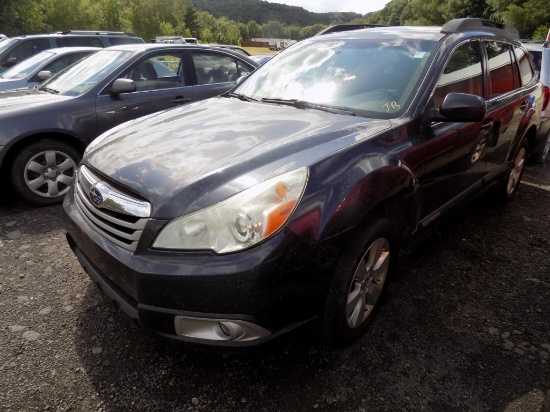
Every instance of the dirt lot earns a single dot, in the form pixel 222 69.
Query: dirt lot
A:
pixel 466 327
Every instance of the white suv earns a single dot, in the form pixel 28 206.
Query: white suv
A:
pixel 540 52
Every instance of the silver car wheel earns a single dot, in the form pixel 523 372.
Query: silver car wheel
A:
pixel 50 173
pixel 367 283
pixel 546 149
pixel 516 172
pixel 478 151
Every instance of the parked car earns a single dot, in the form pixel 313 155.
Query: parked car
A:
pixel 45 129
pixel 16 49
pixel 237 49
pixel 262 58
pixel 42 66
pixel 540 52
pixel 296 195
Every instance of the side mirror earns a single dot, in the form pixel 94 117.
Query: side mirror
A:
pixel 459 107
pixel 12 61
pixel 123 86
pixel 240 79
pixel 44 75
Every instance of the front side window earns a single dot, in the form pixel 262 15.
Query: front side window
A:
pixel 29 48
pixel 500 67
pixel 462 73
pixel 27 67
pixel 160 71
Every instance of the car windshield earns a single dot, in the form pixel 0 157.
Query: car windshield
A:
pixel 371 77
pixel 82 76
pixel 27 66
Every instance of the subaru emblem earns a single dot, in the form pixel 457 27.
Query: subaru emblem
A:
pixel 95 196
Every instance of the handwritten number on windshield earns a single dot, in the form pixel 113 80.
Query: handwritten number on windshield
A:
pixel 392 106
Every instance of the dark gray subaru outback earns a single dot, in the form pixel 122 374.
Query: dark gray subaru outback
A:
pixel 293 196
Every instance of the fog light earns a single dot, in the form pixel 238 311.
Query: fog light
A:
pixel 228 330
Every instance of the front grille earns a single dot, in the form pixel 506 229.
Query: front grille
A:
pixel 117 216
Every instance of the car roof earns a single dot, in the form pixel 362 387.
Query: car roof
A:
pixel 465 26
pixel 75 33
pixel 423 33
pixel 533 46
pixel 142 47
pixel 71 49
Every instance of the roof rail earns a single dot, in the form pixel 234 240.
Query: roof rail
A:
pixel 462 25
pixel 347 27
pixel 106 32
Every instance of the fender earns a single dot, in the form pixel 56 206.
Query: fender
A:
pixel 329 212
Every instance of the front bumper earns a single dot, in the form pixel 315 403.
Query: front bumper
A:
pixel 241 299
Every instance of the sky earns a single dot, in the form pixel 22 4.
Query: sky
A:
pixel 325 6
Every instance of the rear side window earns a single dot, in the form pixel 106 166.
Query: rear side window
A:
pixel 79 41
pixel 501 68
pixel 115 41
pixel 462 74
pixel 525 70
pixel 213 68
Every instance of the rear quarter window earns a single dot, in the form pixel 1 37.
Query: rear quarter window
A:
pixel 501 68
pixel 525 69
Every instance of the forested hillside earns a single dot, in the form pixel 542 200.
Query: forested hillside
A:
pixel 243 11
pixel 231 21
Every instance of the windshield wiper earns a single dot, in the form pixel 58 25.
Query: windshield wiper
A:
pixel 241 97
pixel 47 89
pixel 302 104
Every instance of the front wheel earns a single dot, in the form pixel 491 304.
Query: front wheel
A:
pixel 357 287
pixel 43 171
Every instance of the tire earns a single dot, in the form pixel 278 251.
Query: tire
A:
pixel 356 290
pixel 43 171
pixel 507 192
pixel 541 155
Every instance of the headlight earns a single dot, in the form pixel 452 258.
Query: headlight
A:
pixel 239 222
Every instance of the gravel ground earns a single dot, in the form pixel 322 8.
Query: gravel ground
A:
pixel 465 327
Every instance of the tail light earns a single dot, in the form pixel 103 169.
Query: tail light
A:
pixel 546 91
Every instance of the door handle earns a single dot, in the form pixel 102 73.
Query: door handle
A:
pixel 487 127
pixel 181 99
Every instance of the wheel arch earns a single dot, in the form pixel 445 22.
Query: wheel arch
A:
pixel 388 192
pixel 9 155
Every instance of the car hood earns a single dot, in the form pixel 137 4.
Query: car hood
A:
pixel 187 158
pixel 9 84
pixel 26 98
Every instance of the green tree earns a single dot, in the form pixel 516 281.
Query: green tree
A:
pixel 274 29
pixel 254 30
pixel 227 32
pixel 243 29
pixel 528 17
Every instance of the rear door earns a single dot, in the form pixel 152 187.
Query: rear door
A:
pixel 509 105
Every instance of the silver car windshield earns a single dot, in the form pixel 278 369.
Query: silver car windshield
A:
pixel 27 66
pixel 367 77
pixel 82 76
